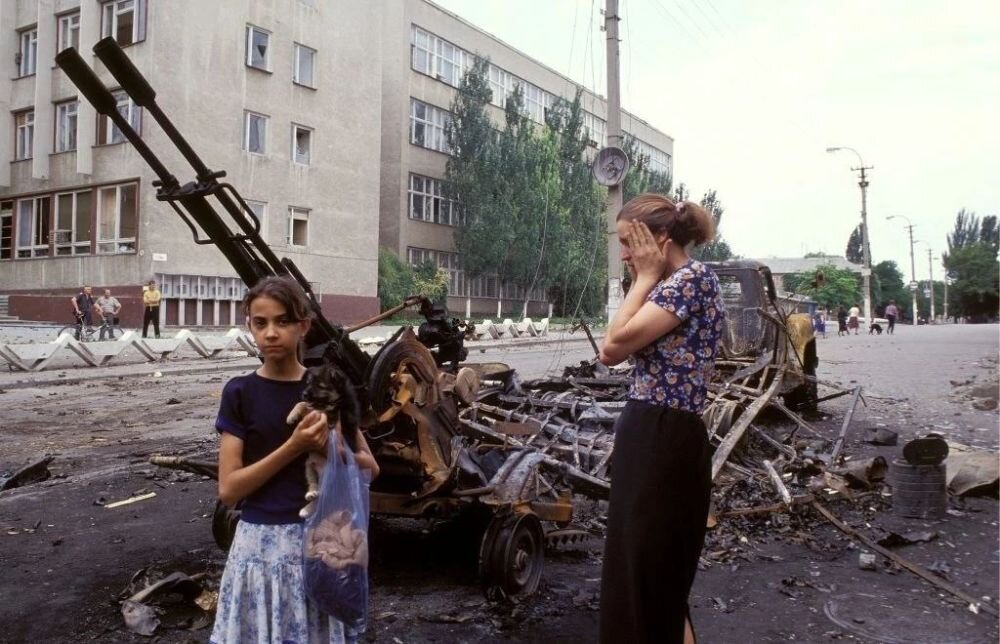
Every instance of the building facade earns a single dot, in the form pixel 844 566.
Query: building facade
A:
pixel 426 51
pixel 283 96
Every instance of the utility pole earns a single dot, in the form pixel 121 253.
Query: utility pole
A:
pixel 866 268
pixel 944 320
pixel 930 268
pixel 913 267
pixel 614 134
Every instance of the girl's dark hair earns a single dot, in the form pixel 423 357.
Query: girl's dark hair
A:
pixel 683 222
pixel 283 290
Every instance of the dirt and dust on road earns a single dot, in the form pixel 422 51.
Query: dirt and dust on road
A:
pixel 69 555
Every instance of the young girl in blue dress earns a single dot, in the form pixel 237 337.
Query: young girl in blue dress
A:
pixel 671 322
pixel 262 467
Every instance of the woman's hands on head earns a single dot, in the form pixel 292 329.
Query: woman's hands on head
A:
pixel 649 261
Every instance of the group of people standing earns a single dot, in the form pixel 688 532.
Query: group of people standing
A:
pixel 670 324
pixel 850 319
pixel 107 308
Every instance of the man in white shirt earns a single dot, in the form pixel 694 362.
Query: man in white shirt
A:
pixel 109 307
pixel 852 318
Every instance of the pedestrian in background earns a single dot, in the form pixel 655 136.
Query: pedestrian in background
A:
pixel 819 322
pixel 841 320
pixel 109 307
pixel 891 312
pixel 852 318
pixel 671 322
pixel 83 307
pixel 151 308
pixel 262 461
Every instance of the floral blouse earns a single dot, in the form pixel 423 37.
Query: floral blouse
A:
pixel 675 370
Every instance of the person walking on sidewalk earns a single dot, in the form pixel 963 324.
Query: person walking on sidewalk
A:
pixel 852 319
pixel 151 308
pixel 671 322
pixel 841 321
pixel 109 307
pixel 891 313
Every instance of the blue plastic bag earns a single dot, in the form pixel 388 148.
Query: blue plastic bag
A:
pixel 335 543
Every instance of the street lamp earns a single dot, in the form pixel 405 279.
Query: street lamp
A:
pixel 913 265
pixel 866 267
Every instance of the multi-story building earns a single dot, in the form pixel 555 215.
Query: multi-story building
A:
pixel 284 96
pixel 328 117
pixel 426 51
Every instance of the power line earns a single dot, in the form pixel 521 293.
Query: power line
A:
pixel 674 18
pixel 724 22
pixel 572 45
pixel 708 19
pixel 693 21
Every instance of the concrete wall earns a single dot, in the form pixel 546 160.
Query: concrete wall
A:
pixel 193 55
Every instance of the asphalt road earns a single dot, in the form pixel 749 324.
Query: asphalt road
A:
pixel 65 559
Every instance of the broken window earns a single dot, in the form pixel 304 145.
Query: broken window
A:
pixel 24 134
pixel 66 126
pixel 125 20
pixel 428 201
pixel 427 126
pixel 258 48
pixel 305 59
pixel 73 216
pixel 301 144
pixel 254 132
pixel 298 227
pixel 117 219
pixel 28 52
pixel 33 227
pixel 107 131
pixel 259 209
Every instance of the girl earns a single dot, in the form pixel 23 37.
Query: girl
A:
pixel 262 464
pixel 671 322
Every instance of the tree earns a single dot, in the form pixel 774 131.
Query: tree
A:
pixel 889 279
pixel 855 252
pixel 827 284
pixel 717 250
pixel 971 264
pixel 395 279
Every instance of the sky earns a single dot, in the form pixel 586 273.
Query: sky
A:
pixel 754 92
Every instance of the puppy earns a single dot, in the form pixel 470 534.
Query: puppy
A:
pixel 327 390
pixel 876 329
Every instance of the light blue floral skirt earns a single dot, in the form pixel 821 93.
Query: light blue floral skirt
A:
pixel 262 598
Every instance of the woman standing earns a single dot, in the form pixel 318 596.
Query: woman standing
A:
pixel 671 322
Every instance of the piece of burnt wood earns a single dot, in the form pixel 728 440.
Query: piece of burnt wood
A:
pixel 903 563
pixel 32 473
pixel 786 496
pixel 839 444
pixel 781 447
pixel 798 420
pixel 769 509
pixel 741 425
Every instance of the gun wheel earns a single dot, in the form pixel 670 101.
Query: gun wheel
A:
pixel 511 556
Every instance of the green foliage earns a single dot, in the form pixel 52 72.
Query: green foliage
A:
pixel 395 279
pixel 855 252
pixel 971 264
pixel 888 285
pixel 836 287
pixel 717 250
pixel 430 282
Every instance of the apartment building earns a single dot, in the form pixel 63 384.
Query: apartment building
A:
pixel 284 96
pixel 426 50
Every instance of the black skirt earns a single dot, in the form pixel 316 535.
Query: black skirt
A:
pixel 660 490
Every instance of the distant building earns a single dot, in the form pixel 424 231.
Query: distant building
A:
pixel 781 266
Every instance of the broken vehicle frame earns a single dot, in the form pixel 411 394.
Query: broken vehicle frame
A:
pixel 431 465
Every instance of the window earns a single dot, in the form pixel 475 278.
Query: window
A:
pixel 502 86
pixel 66 126
pixel 438 58
pixel 305 62
pixel 254 132
pixel 595 129
pixel 301 144
pixel 258 48
pixel 33 227
pixel 117 218
pixel 6 229
pixel 428 202
pixel 27 55
pixel 427 125
pixel 659 161
pixel 24 134
pixel 69 31
pixel 107 131
pixel 259 209
pixel 125 20
pixel 298 227
pixel 72 233
pixel 442 260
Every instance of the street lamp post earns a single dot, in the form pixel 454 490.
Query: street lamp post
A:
pixel 930 270
pixel 913 266
pixel 866 268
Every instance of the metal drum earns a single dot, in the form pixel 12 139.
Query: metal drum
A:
pixel 918 491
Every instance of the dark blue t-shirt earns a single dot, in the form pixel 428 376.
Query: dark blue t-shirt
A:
pixel 254 409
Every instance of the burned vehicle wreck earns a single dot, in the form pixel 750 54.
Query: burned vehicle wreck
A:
pixel 412 393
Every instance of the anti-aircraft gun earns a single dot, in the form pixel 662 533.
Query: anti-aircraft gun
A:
pixel 411 390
